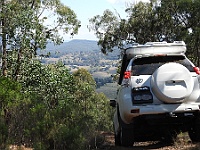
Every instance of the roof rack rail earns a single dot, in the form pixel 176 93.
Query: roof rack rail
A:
pixel 156 48
pixel 165 43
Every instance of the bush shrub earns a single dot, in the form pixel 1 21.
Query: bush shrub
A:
pixel 52 109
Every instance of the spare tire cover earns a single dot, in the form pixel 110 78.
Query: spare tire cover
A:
pixel 172 83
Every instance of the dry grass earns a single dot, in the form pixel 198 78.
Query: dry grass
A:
pixel 183 142
pixel 15 147
pixel 105 141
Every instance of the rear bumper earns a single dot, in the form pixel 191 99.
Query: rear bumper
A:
pixel 157 126
pixel 131 112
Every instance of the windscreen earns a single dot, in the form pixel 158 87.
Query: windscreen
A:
pixel 148 65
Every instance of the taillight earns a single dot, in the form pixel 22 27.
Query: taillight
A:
pixel 197 70
pixel 127 74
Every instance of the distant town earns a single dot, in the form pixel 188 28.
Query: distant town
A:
pixel 86 54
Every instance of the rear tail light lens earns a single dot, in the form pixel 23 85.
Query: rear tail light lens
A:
pixel 197 70
pixel 127 75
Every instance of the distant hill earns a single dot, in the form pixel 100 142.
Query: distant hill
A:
pixel 69 47
pixel 86 54
pixel 73 46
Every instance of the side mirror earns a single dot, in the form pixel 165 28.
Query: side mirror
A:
pixel 113 103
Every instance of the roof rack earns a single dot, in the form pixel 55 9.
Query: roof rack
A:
pixel 156 48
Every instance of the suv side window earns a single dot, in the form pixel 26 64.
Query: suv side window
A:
pixel 148 65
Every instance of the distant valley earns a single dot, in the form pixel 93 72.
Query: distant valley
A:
pixel 86 54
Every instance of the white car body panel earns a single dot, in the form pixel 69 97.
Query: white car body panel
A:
pixel 179 85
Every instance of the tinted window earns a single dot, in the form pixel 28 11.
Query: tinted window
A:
pixel 147 65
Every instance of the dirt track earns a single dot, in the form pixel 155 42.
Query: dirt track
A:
pixel 105 141
pixel 182 143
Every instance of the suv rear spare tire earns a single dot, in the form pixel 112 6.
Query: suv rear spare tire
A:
pixel 172 83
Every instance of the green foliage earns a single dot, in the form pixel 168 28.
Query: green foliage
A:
pixel 106 27
pixel 3 132
pixel 52 109
pixel 9 91
pixel 82 75
pixel 44 106
pixel 167 20
pixel 24 29
pixel 94 107
pixel 10 99
pixel 67 137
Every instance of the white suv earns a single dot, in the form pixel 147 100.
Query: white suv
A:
pixel 159 94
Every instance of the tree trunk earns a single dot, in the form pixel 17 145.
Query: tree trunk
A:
pixel 4 52
pixel 17 71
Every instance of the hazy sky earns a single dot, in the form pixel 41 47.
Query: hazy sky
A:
pixel 86 9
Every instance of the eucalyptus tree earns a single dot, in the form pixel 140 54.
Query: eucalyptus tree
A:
pixel 113 31
pixel 179 20
pixel 106 28
pixel 25 29
pixel 189 17
pixel 159 20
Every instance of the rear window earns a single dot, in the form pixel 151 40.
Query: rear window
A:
pixel 147 65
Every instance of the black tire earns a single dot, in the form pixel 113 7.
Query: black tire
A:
pixel 117 140
pixel 117 135
pixel 194 132
pixel 126 137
